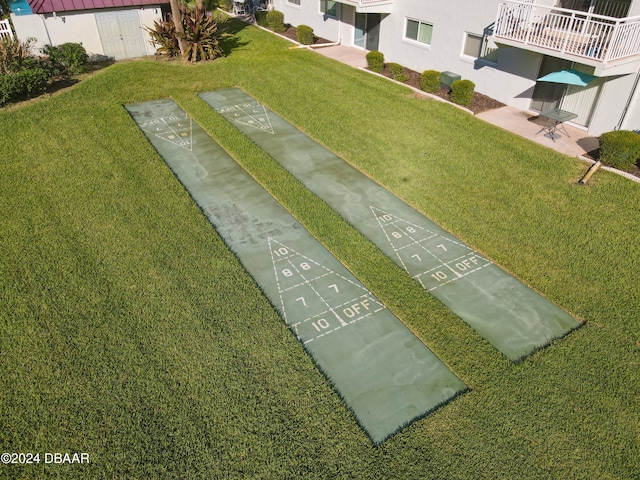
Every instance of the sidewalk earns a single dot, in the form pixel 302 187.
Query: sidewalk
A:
pixel 579 142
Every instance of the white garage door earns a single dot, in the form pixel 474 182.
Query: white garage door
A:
pixel 121 34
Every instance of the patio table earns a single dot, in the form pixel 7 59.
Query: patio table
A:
pixel 557 117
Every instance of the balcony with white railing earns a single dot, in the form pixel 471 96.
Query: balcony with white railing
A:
pixel 582 36
pixel 370 6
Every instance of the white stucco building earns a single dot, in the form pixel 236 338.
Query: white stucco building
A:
pixel 503 46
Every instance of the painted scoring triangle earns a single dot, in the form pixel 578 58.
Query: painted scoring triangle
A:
pixel 432 259
pixel 252 114
pixel 177 129
pixel 315 300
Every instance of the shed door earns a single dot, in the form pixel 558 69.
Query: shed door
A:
pixel 121 34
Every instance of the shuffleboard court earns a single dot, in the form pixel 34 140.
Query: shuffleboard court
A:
pixel 384 374
pixel 512 317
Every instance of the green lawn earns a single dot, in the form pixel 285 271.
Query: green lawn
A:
pixel 130 332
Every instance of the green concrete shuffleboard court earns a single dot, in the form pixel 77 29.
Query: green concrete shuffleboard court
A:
pixel 384 374
pixel 512 317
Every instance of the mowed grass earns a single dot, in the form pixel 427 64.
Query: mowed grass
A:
pixel 129 331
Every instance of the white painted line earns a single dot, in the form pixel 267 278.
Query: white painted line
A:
pixel 181 135
pixel 310 280
pixel 405 231
pixel 295 268
pixel 252 114
pixel 399 219
pixel 429 289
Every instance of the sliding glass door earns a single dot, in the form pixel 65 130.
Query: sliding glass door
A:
pixel 367 30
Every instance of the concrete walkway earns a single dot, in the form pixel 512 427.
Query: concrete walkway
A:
pixel 516 121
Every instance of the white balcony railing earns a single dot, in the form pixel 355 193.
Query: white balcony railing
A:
pixel 584 34
pixel 608 8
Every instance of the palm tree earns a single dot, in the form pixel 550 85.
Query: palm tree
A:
pixel 176 15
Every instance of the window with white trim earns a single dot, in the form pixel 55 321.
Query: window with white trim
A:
pixel 418 31
pixel 295 2
pixel 329 8
pixel 479 46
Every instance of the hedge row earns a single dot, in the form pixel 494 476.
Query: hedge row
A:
pixel 461 90
pixel 25 83
pixel 26 75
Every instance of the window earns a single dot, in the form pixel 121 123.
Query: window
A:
pixel 329 8
pixel 295 2
pixel 478 46
pixel 419 31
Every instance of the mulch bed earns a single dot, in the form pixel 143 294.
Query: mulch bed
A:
pixel 292 34
pixel 479 103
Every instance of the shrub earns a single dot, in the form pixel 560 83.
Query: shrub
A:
pixel 462 92
pixel 5 88
pixel 305 34
pixel 201 35
pixel 67 59
pixel 26 82
pixel 275 21
pixel 261 18
pixel 226 5
pixel 211 5
pixel 396 71
pixel 13 53
pixel 30 80
pixel 375 61
pixel 620 149
pixel 202 39
pixel 430 81
pixel 163 35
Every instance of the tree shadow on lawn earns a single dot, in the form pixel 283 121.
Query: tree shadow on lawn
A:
pixel 228 31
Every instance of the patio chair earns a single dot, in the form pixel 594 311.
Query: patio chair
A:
pixel 239 8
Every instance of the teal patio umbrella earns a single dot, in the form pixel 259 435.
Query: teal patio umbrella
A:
pixel 568 77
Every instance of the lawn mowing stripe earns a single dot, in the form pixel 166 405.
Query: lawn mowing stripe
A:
pixel 511 316
pixel 383 372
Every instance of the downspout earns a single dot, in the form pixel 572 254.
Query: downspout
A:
pixel 632 96
pixel 44 24
pixel 339 23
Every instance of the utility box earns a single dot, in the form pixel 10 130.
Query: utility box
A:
pixel 447 78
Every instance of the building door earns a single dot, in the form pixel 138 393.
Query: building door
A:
pixel 547 96
pixel 367 30
pixel 579 100
pixel 121 34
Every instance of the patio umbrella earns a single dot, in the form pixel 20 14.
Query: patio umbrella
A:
pixel 568 77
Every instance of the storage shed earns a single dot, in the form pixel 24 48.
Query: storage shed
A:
pixel 112 28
